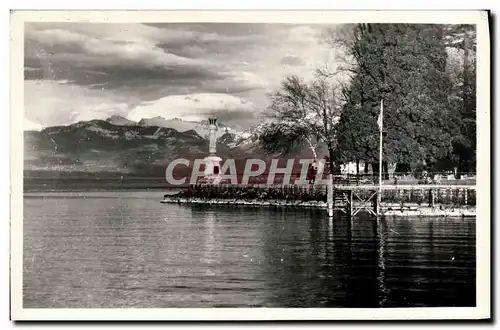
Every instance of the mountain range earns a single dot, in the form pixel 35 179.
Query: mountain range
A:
pixel 178 124
pixel 122 146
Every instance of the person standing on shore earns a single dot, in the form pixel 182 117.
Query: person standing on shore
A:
pixel 311 172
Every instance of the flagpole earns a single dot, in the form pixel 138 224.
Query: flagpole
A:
pixel 379 196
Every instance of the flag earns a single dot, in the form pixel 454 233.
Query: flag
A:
pixel 379 120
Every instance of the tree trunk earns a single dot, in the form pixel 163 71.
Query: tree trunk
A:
pixel 330 153
pixel 313 149
pixel 385 170
pixel 460 166
pixel 357 167
pixel 375 172
pixel 366 167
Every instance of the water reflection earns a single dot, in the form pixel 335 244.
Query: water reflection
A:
pixel 381 240
pixel 131 251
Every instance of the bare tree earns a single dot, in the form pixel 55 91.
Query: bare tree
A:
pixel 302 114
pixel 344 39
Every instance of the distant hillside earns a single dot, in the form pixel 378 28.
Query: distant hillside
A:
pixel 231 140
pixel 183 125
pixel 98 146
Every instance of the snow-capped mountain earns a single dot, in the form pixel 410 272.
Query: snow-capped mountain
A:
pixel 181 125
pixel 99 146
pixel 120 121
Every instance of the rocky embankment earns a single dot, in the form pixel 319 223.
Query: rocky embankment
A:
pixel 388 210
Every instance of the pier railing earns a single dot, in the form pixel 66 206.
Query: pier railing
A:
pixel 399 194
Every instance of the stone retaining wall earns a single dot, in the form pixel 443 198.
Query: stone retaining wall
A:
pixel 388 210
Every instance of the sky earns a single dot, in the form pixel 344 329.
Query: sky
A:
pixel 84 71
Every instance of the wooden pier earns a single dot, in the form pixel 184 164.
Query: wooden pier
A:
pixel 405 187
pixel 348 199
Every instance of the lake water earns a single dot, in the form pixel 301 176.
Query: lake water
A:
pixel 126 249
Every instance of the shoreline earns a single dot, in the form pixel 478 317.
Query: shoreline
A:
pixel 408 210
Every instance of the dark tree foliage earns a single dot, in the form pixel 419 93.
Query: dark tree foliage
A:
pixel 405 65
pixel 277 137
pixel 462 38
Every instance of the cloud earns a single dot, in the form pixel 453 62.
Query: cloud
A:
pixel 29 125
pixel 228 116
pixel 113 68
pixel 195 107
pixel 61 54
pixel 293 60
pixel 60 103
pixel 234 82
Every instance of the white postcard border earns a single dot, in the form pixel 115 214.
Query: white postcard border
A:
pixel 483 220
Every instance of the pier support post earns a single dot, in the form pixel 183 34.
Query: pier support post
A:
pixel 329 196
pixel 348 203
pixel 431 197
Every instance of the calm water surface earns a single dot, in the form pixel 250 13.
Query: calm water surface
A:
pixel 125 249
